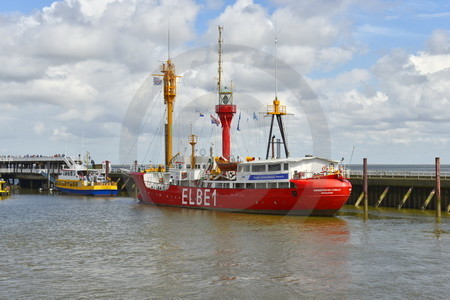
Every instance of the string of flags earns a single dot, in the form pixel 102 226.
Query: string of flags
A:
pixel 157 80
pixel 216 121
pixel 200 114
pixel 239 122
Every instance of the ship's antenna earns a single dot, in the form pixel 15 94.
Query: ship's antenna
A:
pixel 219 80
pixel 276 67
pixel 82 142
pixel 351 157
pixel 277 32
pixel 168 39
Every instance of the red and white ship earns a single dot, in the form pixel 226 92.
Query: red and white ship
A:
pixel 307 186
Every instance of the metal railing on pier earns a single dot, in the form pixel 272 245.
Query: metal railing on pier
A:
pixel 398 174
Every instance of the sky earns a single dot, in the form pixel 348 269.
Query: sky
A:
pixel 360 79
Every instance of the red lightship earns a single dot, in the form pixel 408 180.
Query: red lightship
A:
pixel 308 186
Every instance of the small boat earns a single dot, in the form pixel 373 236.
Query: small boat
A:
pixel 78 179
pixel 4 189
pixel 306 186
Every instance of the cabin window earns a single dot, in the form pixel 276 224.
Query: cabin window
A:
pixel 276 167
pixel 286 166
pixel 272 185
pixel 260 185
pixel 250 185
pixel 244 168
pixel 283 185
pixel 259 168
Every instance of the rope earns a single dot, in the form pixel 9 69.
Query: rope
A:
pixel 142 127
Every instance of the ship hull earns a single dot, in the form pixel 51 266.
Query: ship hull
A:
pixel 89 191
pixel 308 197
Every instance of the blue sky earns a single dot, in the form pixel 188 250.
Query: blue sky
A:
pixel 380 70
pixel 24 6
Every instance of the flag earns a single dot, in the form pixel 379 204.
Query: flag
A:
pixel 157 80
pixel 214 120
pixel 255 117
pixel 239 121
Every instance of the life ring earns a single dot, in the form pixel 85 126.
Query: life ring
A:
pixel 325 168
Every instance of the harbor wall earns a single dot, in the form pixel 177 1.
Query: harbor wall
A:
pixel 415 193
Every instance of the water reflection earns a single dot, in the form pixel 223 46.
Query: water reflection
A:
pixel 116 248
pixel 272 252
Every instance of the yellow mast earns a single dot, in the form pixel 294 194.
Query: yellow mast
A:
pixel 170 92
pixel 193 141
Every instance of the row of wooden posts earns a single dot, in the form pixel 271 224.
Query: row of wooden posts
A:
pixel 436 192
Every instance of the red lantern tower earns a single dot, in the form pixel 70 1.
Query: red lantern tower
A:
pixel 225 109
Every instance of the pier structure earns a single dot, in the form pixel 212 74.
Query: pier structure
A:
pixel 400 189
pixel 35 171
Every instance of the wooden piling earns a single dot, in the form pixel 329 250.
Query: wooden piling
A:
pixel 125 184
pixel 382 196
pixel 365 186
pixel 406 197
pixel 359 199
pixel 438 187
pixel 430 196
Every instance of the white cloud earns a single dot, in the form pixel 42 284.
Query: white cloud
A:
pixel 60 133
pixel 426 63
pixel 39 128
pixel 74 67
pixel 439 42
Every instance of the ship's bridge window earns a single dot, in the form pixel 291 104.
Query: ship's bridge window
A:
pixel 275 167
pixel 286 166
pixel 259 168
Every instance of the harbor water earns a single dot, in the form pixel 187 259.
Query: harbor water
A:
pixel 58 247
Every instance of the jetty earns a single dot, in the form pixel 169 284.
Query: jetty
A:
pixel 33 171
pixel 401 189
pixel 40 171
